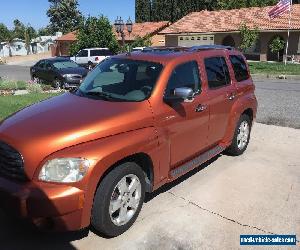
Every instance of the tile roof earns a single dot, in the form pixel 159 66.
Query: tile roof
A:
pixel 68 37
pixel 230 20
pixel 144 29
pixel 138 30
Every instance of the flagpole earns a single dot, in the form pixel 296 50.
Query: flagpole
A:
pixel 287 42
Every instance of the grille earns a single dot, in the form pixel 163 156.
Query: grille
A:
pixel 11 163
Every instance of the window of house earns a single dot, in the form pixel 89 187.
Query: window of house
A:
pixel 198 38
pixel 211 38
pixel 187 38
pixel 193 38
pixel 240 68
pixel 181 38
pixel 185 75
pixel 217 72
pixel 205 38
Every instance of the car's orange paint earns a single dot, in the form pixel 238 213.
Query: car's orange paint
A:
pixel 107 132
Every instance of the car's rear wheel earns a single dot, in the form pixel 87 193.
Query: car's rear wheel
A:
pixel 241 136
pixel 118 200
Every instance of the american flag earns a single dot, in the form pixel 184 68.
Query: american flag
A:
pixel 280 8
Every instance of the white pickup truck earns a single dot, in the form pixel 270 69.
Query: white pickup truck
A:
pixel 91 57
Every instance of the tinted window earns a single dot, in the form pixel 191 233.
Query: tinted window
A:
pixel 48 65
pixel 217 72
pixel 83 53
pixel 240 68
pixel 65 64
pixel 122 80
pixel 100 52
pixel 184 75
pixel 41 64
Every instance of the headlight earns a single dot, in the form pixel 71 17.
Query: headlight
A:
pixel 67 75
pixel 64 170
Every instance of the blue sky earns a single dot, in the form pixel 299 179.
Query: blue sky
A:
pixel 34 11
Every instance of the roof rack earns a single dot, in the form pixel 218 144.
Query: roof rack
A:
pixel 164 49
pixel 210 47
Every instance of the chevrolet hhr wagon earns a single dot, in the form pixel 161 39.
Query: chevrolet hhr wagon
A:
pixel 137 122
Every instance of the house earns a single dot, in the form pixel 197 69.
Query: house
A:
pixel 38 45
pixel 16 48
pixel 142 30
pixel 222 28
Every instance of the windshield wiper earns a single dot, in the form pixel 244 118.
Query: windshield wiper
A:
pixel 104 95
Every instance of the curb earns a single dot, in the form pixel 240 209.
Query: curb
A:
pixel 275 77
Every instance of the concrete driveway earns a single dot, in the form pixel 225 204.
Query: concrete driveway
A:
pixel 257 193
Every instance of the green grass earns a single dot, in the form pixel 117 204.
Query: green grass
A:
pixel 11 104
pixel 274 68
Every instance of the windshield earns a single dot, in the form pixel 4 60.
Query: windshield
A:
pixel 122 80
pixel 65 65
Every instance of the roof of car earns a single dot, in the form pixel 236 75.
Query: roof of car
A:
pixel 57 59
pixel 166 54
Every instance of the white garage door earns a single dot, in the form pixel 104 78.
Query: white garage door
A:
pixel 196 40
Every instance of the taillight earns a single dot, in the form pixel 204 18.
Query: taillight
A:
pixel 97 59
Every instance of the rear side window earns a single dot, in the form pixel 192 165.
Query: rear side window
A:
pixel 41 64
pixel 217 72
pixel 240 68
pixel 185 75
pixel 100 52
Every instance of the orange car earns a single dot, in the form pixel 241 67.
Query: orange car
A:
pixel 137 122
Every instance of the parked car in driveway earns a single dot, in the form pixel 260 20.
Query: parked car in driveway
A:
pixel 91 57
pixel 138 121
pixel 60 72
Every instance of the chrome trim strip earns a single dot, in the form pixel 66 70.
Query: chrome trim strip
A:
pixel 196 161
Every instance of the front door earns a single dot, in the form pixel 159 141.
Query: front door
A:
pixel 222 96
pixel 185 123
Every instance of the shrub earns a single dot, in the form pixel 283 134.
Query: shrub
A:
pixel 46 87
pixel 21 85
pixel 8 85
pixel 34 88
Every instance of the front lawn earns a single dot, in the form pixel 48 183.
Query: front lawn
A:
pixel 276 69
pixel 11 104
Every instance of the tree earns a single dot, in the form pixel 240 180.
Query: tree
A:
pixel 248 37
pixel 5 33
pixel 95 32
pixel 142 11
pixel 19 29
pixel 276 46
pixel 64 15
pixel 45 31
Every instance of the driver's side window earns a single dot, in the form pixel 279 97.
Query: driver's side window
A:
pixel 184 75
pixel 82 53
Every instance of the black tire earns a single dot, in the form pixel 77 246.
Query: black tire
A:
pixel 101 219
pixel 35 79
pixel 234 148
pixel 90 66
pixel 57 84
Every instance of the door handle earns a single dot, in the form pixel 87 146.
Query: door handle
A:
pixel 231 96
pixel 201 108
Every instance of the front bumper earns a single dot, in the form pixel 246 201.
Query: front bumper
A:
pixel 51 206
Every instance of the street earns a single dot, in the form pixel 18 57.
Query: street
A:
pixel 279 100
pixel 256 193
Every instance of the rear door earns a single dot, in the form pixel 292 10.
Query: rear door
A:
pixel 222 96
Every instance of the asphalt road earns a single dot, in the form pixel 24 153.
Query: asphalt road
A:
pixel 279 100
pixel 256 193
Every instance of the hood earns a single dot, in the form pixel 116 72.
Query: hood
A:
pixel 67 120
pixel 77 70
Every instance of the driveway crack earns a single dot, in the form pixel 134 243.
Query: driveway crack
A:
pixel 222 216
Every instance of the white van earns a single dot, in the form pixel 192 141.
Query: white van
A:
pixel 91 57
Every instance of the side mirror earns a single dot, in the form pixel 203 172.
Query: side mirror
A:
pixel 180 94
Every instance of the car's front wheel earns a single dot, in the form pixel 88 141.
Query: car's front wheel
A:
pixel 241 136
pixel 118 200
pixel 57 84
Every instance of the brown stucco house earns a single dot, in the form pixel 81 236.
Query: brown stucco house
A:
pixel 151 29
pixel 222 28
